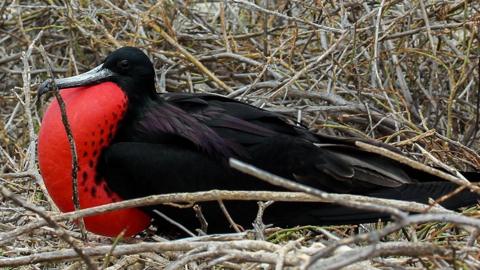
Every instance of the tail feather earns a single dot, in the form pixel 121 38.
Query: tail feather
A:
pixel 471 176
pixel 328 214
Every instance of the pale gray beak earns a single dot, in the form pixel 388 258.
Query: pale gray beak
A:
pixel 96 75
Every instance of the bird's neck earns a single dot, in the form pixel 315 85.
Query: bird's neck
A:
pixel 138 89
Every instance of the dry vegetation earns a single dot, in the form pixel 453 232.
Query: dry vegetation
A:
pixel 402 72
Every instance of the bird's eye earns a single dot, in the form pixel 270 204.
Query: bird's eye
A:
pixel 123 64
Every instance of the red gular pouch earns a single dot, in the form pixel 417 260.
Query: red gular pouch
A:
pixel 93 113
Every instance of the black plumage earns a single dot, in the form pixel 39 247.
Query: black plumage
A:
pixel 176 142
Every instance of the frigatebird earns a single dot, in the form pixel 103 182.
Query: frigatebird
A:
pixel 132 142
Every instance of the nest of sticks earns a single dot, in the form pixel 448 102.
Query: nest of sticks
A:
pixel 404 73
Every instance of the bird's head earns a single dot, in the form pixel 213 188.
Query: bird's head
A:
pixel 128 67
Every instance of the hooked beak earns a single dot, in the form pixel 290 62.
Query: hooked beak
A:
pixel 96 75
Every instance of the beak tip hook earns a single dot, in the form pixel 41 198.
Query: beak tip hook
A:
pixel 45 86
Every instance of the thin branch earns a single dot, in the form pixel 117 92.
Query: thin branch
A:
pixel 215 195
pixel 70 254
pixel 71 140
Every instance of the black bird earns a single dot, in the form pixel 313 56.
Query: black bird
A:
pixel 132 142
